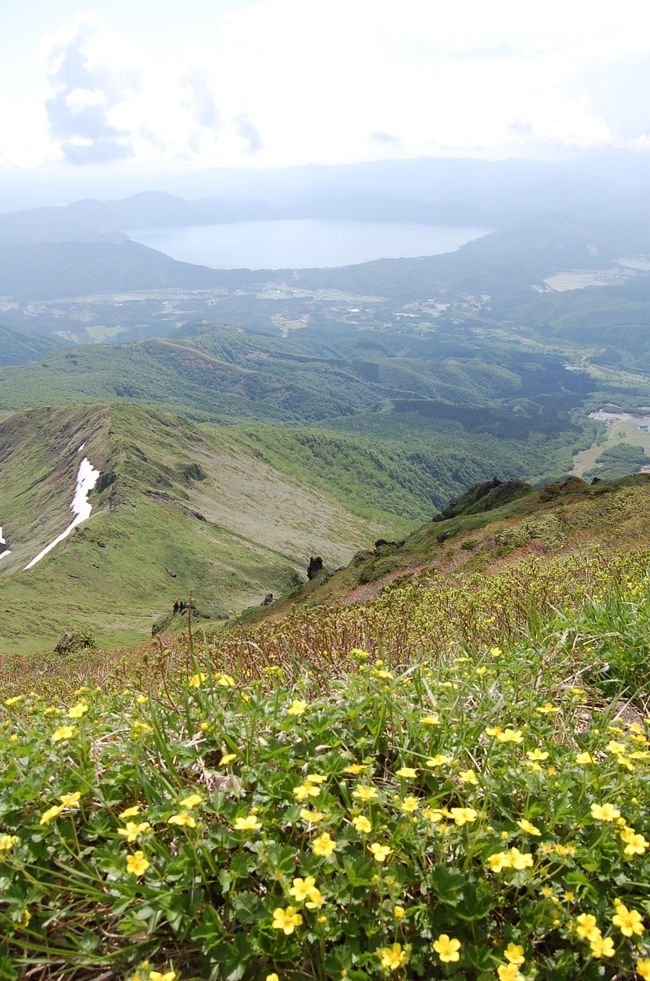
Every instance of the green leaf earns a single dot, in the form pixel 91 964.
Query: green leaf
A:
pixel 447 884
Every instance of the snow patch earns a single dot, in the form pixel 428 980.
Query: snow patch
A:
pixel 86 480
pixel 5 551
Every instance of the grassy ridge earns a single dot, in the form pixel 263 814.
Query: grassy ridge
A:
pixel 198 501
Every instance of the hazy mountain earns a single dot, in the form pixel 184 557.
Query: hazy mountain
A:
pixel 66 269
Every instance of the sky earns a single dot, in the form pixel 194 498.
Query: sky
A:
pixel 266 83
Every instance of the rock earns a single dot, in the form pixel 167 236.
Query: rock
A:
pixel 70 642
pixel 170 572
pixel 315 566
pixel 268 599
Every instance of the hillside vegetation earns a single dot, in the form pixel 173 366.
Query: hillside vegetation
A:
pixel 200 512
pixel 18 347
pixel 448 780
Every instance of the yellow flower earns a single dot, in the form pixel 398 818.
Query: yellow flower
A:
pixel 248 823
pixel 315 899
pixel 587 928
pixel 77 710
pixel 362 824
pixel 142 699
pixel 615 747
pixel 355 769
pixel 515 954
pixel 7 842
pixel 306 790
pixel 605 812
pixel 272 977
pixel 297 707
pixel 182 819
pixel 324 845
pixel 132 830
pixel 399 912
pixel 70 800
pixel 189 803
pixel 314 817
pixel 468 776
pixel 547 708
pixel 438 760
pixel 529 828
pixel 537 754
pixel 300 888
pixel 499 861
pixel 361 792
pixel 51 813
pixel 584 759
pixel 629 921
pixel 435 814
pixel 509 972
pixel 129 812
pixel 463 815
pixel 197 679
pixel 430 720
pixel 481 671
pixel 410 804
pixel 392 958
pixel 642 968
pixel 286 919
pixel 406 773
pixel 447 948
pixel 14 700
pixel 159 976
pixel 379 852
pixel 137 864
pixel 141 726
pixel 602 947
pixel 63 732
pixel 510 736
pixel 315 778
pixel 519 860
pixel 227 758
pixel 224 680
pixel 635 844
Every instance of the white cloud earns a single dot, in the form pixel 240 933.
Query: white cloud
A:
pixel 294 81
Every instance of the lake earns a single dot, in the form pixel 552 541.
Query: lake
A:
pixel 302 243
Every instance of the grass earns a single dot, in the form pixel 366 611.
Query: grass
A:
pixel 436 785
pixel 146 523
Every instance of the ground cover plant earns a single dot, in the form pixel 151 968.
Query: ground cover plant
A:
pixel 473 805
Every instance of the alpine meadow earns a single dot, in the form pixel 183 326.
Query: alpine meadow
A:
pixel 324 492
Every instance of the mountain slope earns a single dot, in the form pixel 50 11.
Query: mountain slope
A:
pixel 178 510
pixel 63 269
pixel 490 528
pixel 19 347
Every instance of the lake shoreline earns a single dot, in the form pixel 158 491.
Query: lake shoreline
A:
pixel 302 243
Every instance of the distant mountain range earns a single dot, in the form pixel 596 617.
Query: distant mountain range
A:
pixel 46 270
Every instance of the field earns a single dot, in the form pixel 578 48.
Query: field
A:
pixel 450 781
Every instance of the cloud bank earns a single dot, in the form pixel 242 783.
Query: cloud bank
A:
pixel 277 82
